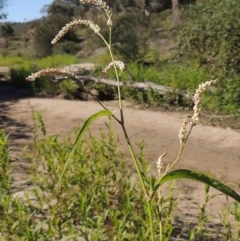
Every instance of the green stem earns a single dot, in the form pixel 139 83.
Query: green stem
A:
pixel 169 167
pixel 130 147
pixel 179 152
pixel 149 204
pixel 150 216
pixel 135 162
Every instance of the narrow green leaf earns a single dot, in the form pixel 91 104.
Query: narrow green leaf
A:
pixel 80 134
pixel 184 173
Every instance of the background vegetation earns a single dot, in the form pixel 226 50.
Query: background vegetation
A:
pixel 204 45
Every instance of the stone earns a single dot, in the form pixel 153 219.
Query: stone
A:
pixel 81 69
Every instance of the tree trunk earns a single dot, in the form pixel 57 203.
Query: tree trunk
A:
pixel 175 13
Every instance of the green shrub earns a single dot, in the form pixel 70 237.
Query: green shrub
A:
pixel 18 77
pixel 211 33
pixel 42 85
pixel 130 35
pixel 68 87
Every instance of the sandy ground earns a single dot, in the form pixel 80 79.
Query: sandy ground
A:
pixel 210 149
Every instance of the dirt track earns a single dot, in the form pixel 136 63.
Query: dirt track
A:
pixel 210 149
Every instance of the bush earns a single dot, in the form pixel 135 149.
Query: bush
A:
pixel 130 35
pixel 18 77
pixel 211 34
pixel 42 85
pixel 46 31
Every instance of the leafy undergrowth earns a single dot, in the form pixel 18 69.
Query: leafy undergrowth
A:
pixel 98 198
pixel 47 62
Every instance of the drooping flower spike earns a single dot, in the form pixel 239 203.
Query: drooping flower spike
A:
pixel 72 24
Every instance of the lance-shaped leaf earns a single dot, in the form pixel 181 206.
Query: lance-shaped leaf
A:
pixel 80 134
pixel 184 173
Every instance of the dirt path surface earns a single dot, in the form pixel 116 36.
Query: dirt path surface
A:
pixel 210 149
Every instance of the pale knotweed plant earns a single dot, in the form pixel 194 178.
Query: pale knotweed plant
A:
pixel 148 191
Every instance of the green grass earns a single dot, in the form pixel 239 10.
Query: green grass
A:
pixel 27 62
pixel 97 199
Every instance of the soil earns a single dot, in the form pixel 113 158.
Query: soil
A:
pixel 210 149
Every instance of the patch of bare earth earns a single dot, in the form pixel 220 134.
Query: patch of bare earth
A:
pixel 210 149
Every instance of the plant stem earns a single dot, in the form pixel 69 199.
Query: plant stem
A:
pixel 130 147
pixel 144 189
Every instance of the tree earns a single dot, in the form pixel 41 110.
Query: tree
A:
pixel 68 8
pixel 6 31
pixel 130 35
pixel 47 30
pixel 2 6
pixel 59 13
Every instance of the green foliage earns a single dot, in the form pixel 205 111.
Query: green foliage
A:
pixel 97 198
pixel 212 35
pixel 96 201
pixel 57 60
pixel 178 76
pixel 225 98
pixel 14 61
pixel 42 85
pixel 130 35
pixel 25 67
pixel 183 173
pixel 18 77
pixel 5 166
pixel 2 5
pixel 68 88
pixel 66 47
pixel 46 31
pixel 7 30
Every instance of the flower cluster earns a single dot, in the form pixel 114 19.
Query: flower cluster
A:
pixel 50 71
pixel 196 110
pixel 160 163
pixel 183 131
pixel 197 100
pixel 72 24
pixel 118 64
pixel 103 6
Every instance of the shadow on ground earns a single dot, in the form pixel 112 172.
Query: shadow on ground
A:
pixel 15 128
